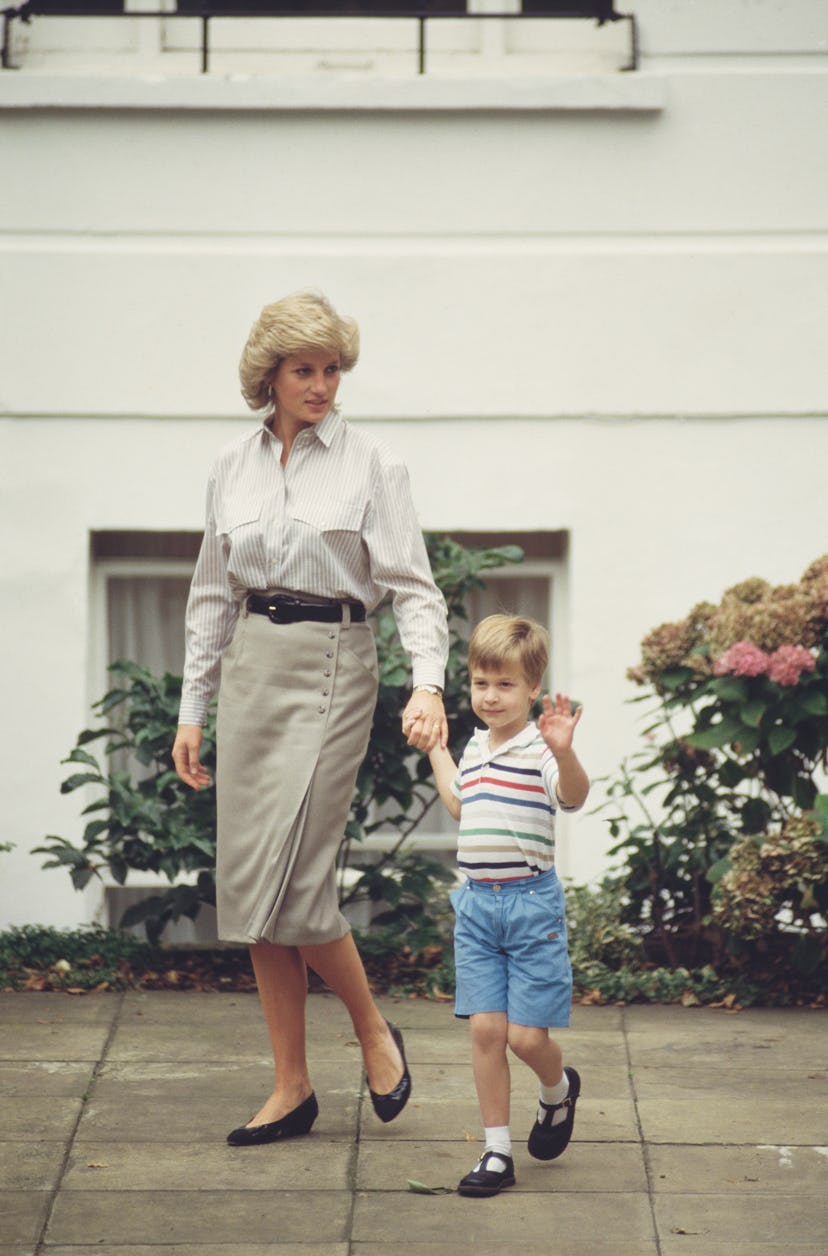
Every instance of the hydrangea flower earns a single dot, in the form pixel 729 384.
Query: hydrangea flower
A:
pixel 788 663
pixel 743 658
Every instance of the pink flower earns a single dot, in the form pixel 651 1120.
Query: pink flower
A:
pixel 743 658
pixel 788 663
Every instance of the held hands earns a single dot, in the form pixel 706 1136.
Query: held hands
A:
pixel 424 723
pixel 185 756
pixel 557 723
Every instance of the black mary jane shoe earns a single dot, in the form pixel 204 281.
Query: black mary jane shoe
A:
pixel 297 1122
pixel 548 1141
pixel 483 1180
pixel 389 1106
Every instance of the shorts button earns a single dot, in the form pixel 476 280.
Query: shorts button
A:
pixel 497 888
pixel 331 635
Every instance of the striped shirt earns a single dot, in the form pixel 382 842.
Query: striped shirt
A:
pixel 338 521
pixel 508 803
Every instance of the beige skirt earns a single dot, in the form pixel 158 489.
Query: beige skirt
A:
pixel 294 716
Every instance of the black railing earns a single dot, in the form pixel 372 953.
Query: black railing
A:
pixel 599 11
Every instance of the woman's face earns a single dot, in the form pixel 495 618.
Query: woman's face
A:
pixel 304 387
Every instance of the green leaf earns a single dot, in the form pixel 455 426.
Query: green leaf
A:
pixel 753 711
pixel 717 870
pixel 780 739
pixel 82 756
pixel 815 703
pixel 716 735
pixel 729 688
pixel 81 778
pixel 419 1189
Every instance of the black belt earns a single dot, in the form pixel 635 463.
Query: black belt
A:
pixel 282 609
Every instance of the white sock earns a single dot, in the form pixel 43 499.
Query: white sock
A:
pixel 498 1140
pixel 551 1096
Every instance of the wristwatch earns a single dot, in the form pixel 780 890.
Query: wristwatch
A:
pixel 428 689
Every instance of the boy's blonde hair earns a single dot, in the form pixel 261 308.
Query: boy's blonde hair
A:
pixel 510 639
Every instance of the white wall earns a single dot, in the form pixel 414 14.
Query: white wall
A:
pixel 603 319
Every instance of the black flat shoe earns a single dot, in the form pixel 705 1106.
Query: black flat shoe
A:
pixel 391 1105
pixel 297 1122
pixel 548 1141
pixel 483 1181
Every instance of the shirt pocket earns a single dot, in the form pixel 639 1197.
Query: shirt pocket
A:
pixel 333 515
pixel 234 515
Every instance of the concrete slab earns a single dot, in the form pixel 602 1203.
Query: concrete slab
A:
pixel 58 1078
pixel 51 1040
pixel 303 1164
pixel 30 1166
pixel 616 1168
pixel 609 1246
pixel 740 1171
pixel 32 1117
pixel 194 1249
pixel 725 1118
pixel 199 1217
pixel 23 1213
pixel 137 1102
pixel 444 1105
pixel 537 1220
pixel 46 1006
pixel 760 1220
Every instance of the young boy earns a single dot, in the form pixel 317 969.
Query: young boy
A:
pixel 514 979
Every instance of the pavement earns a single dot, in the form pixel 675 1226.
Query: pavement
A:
pixel 698 1131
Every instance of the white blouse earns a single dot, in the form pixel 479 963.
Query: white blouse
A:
pixel 338 521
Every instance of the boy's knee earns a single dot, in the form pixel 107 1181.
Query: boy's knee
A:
pixel 488 1031
pixel 526 1040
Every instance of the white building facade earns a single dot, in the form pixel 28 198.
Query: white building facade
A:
pixel 592 304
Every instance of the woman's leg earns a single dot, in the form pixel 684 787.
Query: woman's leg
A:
pixel 282 980
pixel 340 967
pixel 490 1066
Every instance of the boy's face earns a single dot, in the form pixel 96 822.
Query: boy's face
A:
pixel 501 698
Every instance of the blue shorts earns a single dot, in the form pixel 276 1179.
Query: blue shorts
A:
pixel 510 950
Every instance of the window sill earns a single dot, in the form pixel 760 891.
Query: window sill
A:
pixel 621 92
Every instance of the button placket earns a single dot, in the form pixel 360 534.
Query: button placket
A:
pixel 327 672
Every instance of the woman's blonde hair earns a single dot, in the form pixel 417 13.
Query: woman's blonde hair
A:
pixel 513 640
pixel 301 321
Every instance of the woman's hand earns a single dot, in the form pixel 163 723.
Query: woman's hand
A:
pixel 424 722
pixel 185 756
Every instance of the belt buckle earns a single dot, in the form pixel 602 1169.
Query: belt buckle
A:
pixel 280 610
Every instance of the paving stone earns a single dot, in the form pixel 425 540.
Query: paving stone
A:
pixel 610 1245
pixel 299 1164
pixel 199 1217
pixel 204 1248
pixel 746 1170
pixel 725 1117
pixel 37 1117
pixel 584 1167
pixel 30 1166
pixel 23 1214
pixel 58 1078
pixel 444 1106
pixel 538 1220
pixel 203 1101
pixel 51 1040
pixel 46 1006
pixel 724 1219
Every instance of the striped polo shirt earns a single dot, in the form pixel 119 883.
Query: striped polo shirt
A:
pixel 508 803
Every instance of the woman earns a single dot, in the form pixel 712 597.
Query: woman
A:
pixel 309 523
